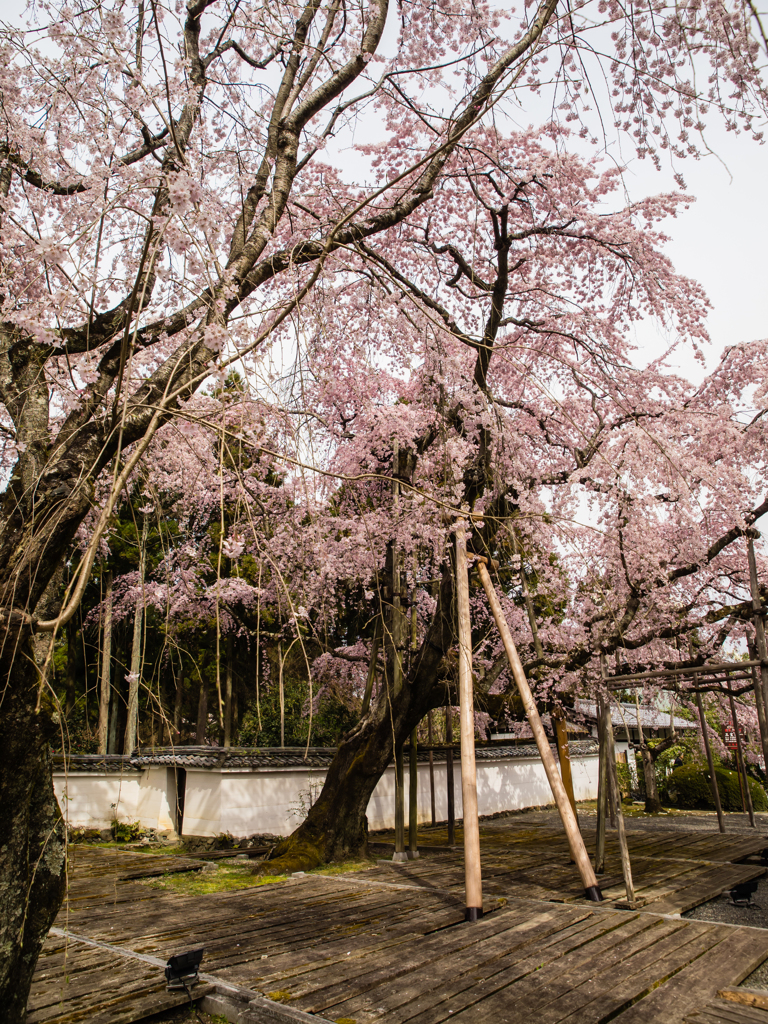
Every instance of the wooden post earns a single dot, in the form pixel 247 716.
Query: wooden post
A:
pixel 431 767
pixel 413 799
pixel 473 883
pixel 575 841
pixel 602 790
pixel 615 797
pixel 397 667
pixel 564 756
pixel 746 795
pixel 399 854
pixel 558 716
pixel 760 642
pixel 711 763
pixel 449 794
pixel 757 689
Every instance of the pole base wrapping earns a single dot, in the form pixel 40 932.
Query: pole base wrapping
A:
pixel 473 913
pixel 593 893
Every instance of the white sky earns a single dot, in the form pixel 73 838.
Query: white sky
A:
pixel 721 240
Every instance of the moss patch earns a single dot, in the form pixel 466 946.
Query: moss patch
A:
pixel 292 854
pixel 225 878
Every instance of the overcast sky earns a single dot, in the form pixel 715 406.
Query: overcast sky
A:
pixel 721 240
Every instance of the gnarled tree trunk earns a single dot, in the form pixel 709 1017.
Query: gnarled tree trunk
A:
pixel 32 841
pixel 335 827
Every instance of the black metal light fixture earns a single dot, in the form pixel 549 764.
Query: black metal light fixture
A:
pixel 181 971
pixel 741 894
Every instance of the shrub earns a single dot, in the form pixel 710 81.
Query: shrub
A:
pixel 125 831
pixel 688 787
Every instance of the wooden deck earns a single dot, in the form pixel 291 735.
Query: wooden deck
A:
pixel 390 944
pixel 672 871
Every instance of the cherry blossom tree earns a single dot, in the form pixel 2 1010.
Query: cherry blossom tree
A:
pixel 172 207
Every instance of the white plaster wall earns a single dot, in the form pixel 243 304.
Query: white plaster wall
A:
pixel 504 785
pixel 157 798
pixel 243 802
pixel 274 801
pixel 202 803
pixel 86 799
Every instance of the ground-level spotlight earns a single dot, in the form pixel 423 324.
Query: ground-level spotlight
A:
pixel 741 894
pixel 181 971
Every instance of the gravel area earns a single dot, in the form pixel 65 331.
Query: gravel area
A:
pixel 723 910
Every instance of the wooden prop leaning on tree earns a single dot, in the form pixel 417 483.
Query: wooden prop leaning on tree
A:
pixel 575 841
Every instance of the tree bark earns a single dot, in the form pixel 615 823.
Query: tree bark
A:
pixel 202 714
pixel 32 840
pixel 132 723
pixel 106 669
pixel 336 827
pixel 228 691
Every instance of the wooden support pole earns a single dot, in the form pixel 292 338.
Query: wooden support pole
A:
pixel 761 648
pixel 431 767
pixel 564 756
pixel 746 795
pixel 473 883
pixel 397 666
pixel 575 840
pixel 602 791
pixel 757 689
pixel 399 854
pixel 711 763
pixel 615 798
pixel 413 798
pixel 558 716
pixel 449 782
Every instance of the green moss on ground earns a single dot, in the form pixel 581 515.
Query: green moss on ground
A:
pixel 226 876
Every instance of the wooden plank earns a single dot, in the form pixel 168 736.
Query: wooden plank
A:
pixel 739 953
pixel 325 988
pixel 640 973
pixel 461 972
pixel 720 1012
pixel 609 928
pixel 746 996
pixel 556 983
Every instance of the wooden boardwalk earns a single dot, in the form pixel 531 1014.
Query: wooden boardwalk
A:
pixel 673 871
pixel 390 945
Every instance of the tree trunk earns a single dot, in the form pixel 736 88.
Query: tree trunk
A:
pixel 71 671
pixel 228 691
pixel 106 667
pixel 132 723
pixel 652 802
pixel 32 841
pixel 335 827
pixel 202 714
